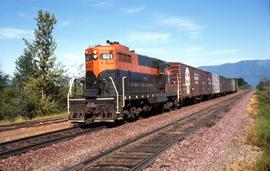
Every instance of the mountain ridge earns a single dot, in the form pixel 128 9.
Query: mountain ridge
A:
pixel 250 70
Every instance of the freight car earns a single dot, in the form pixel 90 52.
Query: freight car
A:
pixel 121 84
pixel 194 83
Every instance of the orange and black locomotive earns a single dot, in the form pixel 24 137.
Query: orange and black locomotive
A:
pixel 120 84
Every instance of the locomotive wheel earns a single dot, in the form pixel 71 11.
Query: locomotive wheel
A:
pixel 133 112
pixel 125 116
pixel 129 115
pixel 176 105
pixel 165 108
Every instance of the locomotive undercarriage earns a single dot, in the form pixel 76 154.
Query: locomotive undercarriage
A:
pixel 90 111
pixel 108 99
pixel 135 108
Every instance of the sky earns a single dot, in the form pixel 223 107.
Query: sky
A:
pixel 195 32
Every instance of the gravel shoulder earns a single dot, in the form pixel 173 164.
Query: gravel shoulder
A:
pixel 67 153
pixel 246 154
pixel 30 131
pixel 211 148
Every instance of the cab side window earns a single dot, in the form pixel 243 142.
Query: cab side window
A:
pixel 124 57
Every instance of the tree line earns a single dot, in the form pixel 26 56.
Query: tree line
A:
pixel 242 84
pixel 39 86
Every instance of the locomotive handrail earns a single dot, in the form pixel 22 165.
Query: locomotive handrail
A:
pixel 178 93
pixel 69 92
pixel 123 87
pixel 117 95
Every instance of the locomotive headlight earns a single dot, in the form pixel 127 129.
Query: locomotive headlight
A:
pixel 95 52
pixel 95 56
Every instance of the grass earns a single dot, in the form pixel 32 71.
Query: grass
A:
pixel 22 119
pixel 260 132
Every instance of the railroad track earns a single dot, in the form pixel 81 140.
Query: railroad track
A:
pixel 19 146
pixel 138 153
pixel 32 123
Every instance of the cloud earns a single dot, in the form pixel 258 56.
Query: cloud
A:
pixel 14 33
pixel 72 57
pixel 74 63
pixel 183 23
pixel 64 23
pixel 147 36
pixel 190 51
pixel 99 3
pixel 199 51
pixel 152 51
pixel 25 16
pixel 225 51
pixel 197 55
pixel 133 9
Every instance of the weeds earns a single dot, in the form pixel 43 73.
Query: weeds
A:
pixel 259 134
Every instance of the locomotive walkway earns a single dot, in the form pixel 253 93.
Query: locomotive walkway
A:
pixel 139 152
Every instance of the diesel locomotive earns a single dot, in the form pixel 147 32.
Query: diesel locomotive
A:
pixel 120 84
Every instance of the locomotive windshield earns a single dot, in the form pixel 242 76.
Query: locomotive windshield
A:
pixel 88 57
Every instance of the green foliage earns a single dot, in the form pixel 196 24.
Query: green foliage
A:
pixel 262 126
pixel 264 85
pixel 10 103
pixel 3 80
pixel 40 85
pixel 25 65
pixel 45 59
pixel 242 84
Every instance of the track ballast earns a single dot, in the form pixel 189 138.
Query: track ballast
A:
pixel 18 146
pixel 139 152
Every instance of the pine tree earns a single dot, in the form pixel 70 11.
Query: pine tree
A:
pixel 45 59
pixel 41 81
pixel 25 65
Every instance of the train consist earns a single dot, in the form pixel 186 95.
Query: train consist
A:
pixel 122 85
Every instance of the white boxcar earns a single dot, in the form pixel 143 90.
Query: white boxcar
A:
pixel 215 84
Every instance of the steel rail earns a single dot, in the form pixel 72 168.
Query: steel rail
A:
pixel 214 110
pixel 144 163
pixel 22 145
pixel 33 123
